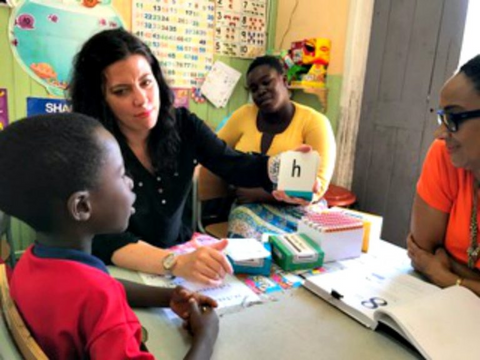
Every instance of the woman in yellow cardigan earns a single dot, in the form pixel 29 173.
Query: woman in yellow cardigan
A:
pixel 271 125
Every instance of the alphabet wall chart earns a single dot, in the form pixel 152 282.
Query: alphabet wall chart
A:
pixel 241 27
pixel 180 34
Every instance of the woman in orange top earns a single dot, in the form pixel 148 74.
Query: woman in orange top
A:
pixel 444 243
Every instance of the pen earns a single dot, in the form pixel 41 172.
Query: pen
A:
pixel 336 295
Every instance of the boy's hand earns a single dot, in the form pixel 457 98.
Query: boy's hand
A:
pixel 203 321
pixel 180 301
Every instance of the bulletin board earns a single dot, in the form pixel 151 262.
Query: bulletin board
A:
pixel 241 27
pixel 180 34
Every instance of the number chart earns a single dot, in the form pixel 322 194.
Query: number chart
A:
pixel 241 27
pixel 180 34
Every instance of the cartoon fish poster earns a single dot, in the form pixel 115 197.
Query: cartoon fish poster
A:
pixel 3 109
pixel 45 35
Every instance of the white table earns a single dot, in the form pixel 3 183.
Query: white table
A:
pixel 299 325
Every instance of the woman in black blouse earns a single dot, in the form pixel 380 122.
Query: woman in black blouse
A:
pixel 117 80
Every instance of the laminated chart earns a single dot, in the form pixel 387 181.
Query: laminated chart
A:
pixel 241 28
pixel 181 36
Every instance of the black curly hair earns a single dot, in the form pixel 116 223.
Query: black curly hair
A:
pixel 272 61
pixel 44 159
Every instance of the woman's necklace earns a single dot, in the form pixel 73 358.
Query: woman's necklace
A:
pixel 474 248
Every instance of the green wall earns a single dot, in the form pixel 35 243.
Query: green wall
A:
pixel 20 86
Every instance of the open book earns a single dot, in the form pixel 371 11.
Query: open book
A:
pixel 440 324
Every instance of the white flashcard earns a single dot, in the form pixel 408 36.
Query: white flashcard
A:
pixel 297 173
pixel 246 249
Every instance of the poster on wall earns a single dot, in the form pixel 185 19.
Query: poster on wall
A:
pixel 180 34
pixel 3 109
pixel 182 98
pixel 241 28
pixel 38 106
pixel 45 35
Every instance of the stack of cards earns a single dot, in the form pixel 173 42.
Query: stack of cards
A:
pixel 249 256
pixel 339 235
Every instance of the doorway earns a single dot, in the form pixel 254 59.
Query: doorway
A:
pixel 470 44
pixel 414 47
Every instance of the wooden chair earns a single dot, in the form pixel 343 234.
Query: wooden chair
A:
pixel 7 248
pixel 207 186
pixel 20 333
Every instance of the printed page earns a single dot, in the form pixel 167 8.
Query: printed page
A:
pixel 441 325
pixel 359 292
pixel 231 295
pixel 219 84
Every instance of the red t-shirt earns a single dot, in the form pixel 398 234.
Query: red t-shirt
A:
pixel 74 310
pixel 450 190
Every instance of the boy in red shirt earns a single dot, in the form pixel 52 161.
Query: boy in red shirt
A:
pixel 63 175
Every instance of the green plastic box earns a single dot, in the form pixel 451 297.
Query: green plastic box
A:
pixel 296 252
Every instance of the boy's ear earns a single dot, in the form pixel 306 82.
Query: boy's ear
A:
pixel 79 206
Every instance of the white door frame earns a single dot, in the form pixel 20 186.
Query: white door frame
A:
pixel 356 53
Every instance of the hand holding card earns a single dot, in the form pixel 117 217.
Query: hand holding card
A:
pixel 298 173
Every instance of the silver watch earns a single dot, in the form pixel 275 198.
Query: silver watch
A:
pixel 169 263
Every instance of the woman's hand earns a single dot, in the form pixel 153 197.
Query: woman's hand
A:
pixel 207 264
pixel 280 195
pixel 436 267
pixel 180 301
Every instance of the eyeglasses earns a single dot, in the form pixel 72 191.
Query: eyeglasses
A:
pixel 453 120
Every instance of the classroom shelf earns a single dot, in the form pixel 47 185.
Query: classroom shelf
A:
pixel 321 93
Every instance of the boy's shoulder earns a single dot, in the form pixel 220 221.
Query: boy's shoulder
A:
pixel 69 273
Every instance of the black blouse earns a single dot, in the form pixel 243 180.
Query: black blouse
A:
pixel 161 197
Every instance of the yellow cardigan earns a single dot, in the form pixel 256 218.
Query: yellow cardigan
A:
pixel 307 127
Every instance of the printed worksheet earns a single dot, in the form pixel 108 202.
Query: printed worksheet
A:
pixel 219 84
pixel 232 295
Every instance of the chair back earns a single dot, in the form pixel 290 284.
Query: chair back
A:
pixel 7 248
pixel 208 186
pixel 20 333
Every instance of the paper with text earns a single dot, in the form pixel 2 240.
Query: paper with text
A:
pixel 232 294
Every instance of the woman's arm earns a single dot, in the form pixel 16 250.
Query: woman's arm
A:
pixel 428 225
pixel 439 268
pixel 426 249
pixel 231 133
pixel 207 264
pixel 319 135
